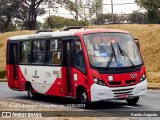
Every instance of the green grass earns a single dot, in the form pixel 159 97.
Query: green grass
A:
pixel 2 74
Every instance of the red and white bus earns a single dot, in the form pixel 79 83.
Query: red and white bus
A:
pixel 89 65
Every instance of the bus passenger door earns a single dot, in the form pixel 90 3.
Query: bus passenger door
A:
pixel 68 61
pixel 12 65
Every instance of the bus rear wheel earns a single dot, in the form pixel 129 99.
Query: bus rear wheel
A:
pixel 31 94
pixel 132 101
pixel 83 99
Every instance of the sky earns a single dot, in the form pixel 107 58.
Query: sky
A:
pixel 117 9
pixel 125 8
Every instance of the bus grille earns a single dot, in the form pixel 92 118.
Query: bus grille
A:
pixel 130 82
pixel 115 83
pixel 122 91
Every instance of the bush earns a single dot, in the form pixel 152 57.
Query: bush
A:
pixel 2 74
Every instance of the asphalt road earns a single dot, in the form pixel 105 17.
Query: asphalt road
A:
pixel 151 102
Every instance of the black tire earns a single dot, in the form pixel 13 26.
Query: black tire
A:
pixel 132 101
pixel 82 98
pixel 31 94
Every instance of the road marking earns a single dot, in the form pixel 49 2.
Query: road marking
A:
pixel 127 106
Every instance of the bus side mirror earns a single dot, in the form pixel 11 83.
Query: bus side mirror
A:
pixel 137 42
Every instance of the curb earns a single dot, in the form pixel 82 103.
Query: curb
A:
pixel 154 88
pixel 3 80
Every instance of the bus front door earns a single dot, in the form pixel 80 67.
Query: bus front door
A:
pixel 68 58
pixel 12 62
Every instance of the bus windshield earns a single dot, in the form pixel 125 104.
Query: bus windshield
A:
pixel 112 50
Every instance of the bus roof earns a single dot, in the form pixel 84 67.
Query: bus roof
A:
pixel 63 34
pixel 90 31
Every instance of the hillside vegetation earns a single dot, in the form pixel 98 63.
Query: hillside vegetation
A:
pixel 149 36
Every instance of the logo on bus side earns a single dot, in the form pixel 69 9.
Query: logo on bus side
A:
pixel 134 75
pixel 35 76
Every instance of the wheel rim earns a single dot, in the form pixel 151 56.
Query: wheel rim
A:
pixel 84 98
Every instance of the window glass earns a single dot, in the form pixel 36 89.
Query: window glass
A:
pixel 113 49
pixel 78 59
pixel 26 46
pixel 39 45
pixel 78 46
pixel 38 52
pixel 25 52
pixel 54 52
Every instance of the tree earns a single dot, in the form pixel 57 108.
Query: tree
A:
pixel 153 9
pixel 104 19
pixel 31 7
pixel 137 17
pixel 59 22
pixel 86 9
pixel 9 10
pixel 37 7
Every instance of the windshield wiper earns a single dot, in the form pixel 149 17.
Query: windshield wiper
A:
pixel 111 56
pixel 123 53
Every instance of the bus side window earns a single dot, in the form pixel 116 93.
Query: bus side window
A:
pixel 38 52
pixel 54 52
pixel 25 52
pixel 78 59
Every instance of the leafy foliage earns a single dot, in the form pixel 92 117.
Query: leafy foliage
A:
pixel 137 17
pixel 9 10
pixel 24 12
pixel 2 74
pixel 85 10
pixel 153 9
pixel 59 22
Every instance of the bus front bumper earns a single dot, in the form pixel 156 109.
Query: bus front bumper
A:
pixel 100 93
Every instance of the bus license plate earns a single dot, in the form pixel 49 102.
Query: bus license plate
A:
pixel 123 96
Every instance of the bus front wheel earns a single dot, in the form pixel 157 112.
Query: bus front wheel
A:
pixel 132 101
pixel 83 99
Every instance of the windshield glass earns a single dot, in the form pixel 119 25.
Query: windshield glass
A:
pixel 101 47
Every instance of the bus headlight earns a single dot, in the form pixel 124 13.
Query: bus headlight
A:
pixel 99 82
pixel 142 78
